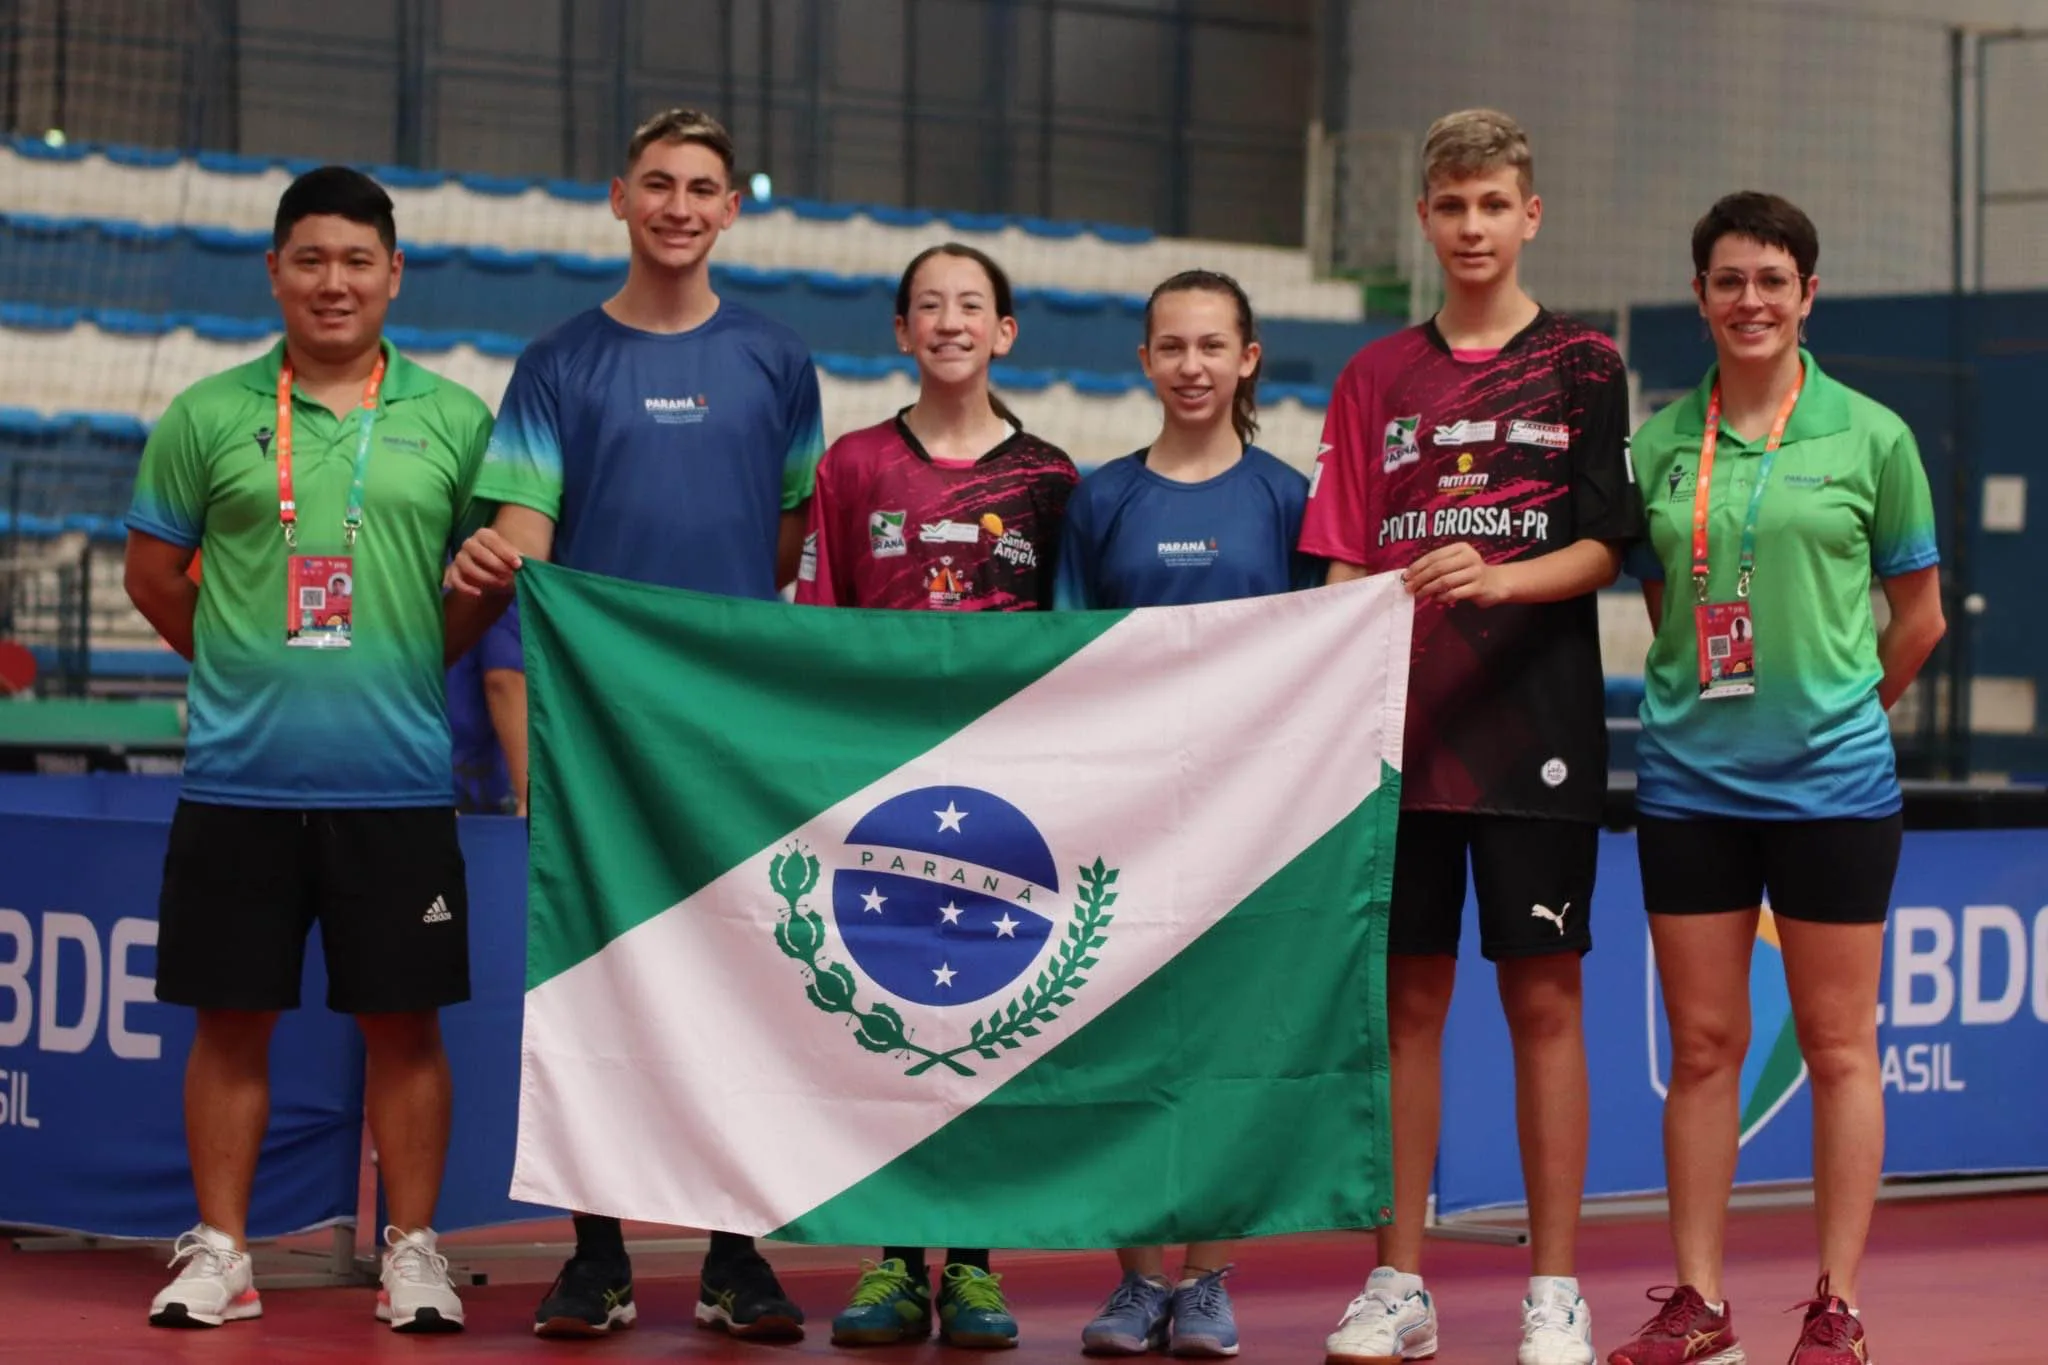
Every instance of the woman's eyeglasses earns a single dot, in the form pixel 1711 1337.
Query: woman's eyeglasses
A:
pixel 1772 286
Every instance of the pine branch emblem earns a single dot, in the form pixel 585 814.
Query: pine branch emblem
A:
pixel 831 988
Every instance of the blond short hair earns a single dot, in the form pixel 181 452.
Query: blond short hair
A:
pixel 674 126
pixel 1474 142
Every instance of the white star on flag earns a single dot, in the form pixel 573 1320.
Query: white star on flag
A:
pixel 943 975
pixel 1006 927
pixel 950 818
pixel 950 913
pixel 873 900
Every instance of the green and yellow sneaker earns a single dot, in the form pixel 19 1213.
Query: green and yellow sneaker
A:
pixel 972 1311
pixel 888 1305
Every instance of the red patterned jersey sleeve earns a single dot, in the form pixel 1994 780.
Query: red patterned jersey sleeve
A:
pixel 1338 521
pixel 823 578
pixel 1605 504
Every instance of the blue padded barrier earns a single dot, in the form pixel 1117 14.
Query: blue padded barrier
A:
pixel 64 265
pixel 413 178
pixel 851 366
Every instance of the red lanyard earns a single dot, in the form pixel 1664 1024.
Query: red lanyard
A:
pixel 1701 494
pixel 287 507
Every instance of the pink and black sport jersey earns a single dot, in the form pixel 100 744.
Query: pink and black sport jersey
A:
pixel 891 528
pixel 1520 454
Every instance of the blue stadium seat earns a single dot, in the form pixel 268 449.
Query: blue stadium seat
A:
pixel 51 269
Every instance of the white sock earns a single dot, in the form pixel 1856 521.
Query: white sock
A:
pixel 1400 1283
pixel 1538 1283
pixel 1715 1308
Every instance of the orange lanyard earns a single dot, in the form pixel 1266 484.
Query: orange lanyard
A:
pixel 1702 486
pixel 287 506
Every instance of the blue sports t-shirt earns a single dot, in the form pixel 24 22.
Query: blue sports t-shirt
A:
pixel 1134 538
pixel 483 782
pixel 663 459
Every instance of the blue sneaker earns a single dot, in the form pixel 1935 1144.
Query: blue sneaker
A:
pixel 1204 1327
pixel 972 1311
pixel 1133 1321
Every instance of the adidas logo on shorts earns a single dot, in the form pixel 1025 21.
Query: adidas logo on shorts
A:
pixel 438 912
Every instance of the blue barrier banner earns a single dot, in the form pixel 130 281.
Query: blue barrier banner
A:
pixel 1962 1037
pixel 127 796
pixel 92 1068
pixel 482 1036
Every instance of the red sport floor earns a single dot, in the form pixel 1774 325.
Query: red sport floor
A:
pixel 1949 1282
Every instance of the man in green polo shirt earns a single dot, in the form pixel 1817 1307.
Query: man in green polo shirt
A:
pixel 321 484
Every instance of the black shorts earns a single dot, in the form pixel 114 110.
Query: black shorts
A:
pixel 1827 871
pixel 1534 880
pixel 243 885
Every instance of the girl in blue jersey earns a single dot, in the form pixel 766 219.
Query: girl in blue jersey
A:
pixel 972 506
pixel 1201 515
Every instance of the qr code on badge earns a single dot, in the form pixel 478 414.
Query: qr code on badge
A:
pixel 312 599
pixel 1719 647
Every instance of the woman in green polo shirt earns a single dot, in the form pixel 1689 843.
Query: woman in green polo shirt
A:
pixel 1775 498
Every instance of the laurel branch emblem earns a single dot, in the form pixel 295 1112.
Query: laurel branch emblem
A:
pixel 800 933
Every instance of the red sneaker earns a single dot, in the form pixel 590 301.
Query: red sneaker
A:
pixel 1685 1332
pixel 1832 1335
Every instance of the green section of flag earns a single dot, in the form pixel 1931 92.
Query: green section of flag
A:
pixel 665 727
pixel 1152 1123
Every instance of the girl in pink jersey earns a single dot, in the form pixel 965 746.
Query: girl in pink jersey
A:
pixel 948 506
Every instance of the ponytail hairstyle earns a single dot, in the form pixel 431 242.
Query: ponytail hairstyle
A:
pixel 1244 404
pixel 999 289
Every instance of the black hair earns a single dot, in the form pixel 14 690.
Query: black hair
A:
pixel 998 283
pixel 340 192
pixel 1244 404
pixel 1765 218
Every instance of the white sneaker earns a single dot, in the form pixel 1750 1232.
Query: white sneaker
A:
pixel 1557 1326
pixel 216 1285
pixel 417 1295
pixel 1393 1320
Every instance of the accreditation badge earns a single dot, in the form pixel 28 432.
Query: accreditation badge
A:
pixel 320 601
pixel 1727 653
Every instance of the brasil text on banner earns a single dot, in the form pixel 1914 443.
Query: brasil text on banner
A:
pixel 1033 930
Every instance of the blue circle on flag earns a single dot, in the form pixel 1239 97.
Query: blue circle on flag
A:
pixel 943 895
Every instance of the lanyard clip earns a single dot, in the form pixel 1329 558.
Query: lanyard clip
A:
pixel 291 535
pixel 1699 585
pixel 1742 584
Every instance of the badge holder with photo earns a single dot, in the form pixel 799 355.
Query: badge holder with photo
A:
pixel 319 609
pixel 1725 631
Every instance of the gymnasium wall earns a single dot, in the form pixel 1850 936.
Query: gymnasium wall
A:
pixel 1186 118
pixel 1643 111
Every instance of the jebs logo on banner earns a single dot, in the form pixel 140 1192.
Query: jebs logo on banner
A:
pixel 942 897
pixel 1774 1069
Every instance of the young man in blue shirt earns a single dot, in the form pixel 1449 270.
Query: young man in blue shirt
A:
pixel 666 437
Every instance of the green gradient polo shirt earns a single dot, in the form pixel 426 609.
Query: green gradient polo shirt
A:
pixel 276 726
pixel 1847 504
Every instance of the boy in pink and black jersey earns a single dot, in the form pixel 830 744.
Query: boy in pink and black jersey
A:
pixel 1517 452
pixel 1484 456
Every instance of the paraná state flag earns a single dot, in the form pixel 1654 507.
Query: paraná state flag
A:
pixel 1057 929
